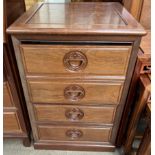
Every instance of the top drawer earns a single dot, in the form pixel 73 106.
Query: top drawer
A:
pixel 53 59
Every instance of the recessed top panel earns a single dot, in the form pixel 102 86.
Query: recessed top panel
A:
pixel 76 15
pixel 103 18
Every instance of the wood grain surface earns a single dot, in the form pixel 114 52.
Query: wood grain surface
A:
pixel 101 60
pixel 7 96
pixel 52 91
pixel 91 114
pixel 92 134
pixel 106 39
pixel 77 18
pixel 11 123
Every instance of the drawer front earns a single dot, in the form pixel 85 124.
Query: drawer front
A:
pixel 100 60
pixel 68 91
pixel 11 123
pixel 7 96
pixel 82 114
pixel 74 133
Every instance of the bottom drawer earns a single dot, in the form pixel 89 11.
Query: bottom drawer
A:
pixel 74 133
pixel 11 123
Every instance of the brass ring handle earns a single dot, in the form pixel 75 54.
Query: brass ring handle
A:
pixel 75 61
pixel 74 92
pixel 74 133
pixel 74 114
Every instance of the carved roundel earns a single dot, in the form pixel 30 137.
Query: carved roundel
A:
pixel 74 92
pixel 75 61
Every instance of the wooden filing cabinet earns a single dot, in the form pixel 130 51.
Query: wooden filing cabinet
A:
pixel 76 65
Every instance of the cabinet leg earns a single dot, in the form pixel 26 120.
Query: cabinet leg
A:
pixel 27 142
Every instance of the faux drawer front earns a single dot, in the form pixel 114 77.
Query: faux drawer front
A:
pixel 68 91
pixel 102 60
pixel 11 123
pixel 7 96
pixel 82 114
pixel 74 133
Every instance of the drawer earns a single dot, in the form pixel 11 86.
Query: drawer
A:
pixel 68 113
pixel 74 133
pixel 74 91
pixel 7 96
pixel 52 59
pixel 11 123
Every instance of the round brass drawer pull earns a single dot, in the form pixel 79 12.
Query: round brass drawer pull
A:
pixel 74 114
pixel 74 92
pixel 75 61
pixel 74 133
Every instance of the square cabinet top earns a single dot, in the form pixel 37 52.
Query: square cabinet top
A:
pixel 77 18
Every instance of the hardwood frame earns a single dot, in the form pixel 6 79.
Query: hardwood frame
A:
pixel 57 145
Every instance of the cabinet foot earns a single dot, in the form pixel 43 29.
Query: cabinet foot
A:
pixel 27 142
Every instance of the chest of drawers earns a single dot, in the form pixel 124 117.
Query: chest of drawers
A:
pixel 15 118
pixel 76 61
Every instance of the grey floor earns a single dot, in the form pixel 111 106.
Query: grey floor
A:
pixel 15 147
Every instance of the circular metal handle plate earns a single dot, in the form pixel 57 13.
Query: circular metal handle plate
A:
pixel 74 133
pixel 75 61
pixel 74 92
pixel 74 114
